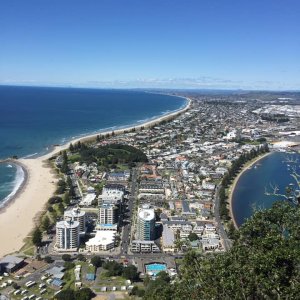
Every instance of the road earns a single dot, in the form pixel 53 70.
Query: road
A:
pixel 125 241
pixel 126 230
pixel 227 242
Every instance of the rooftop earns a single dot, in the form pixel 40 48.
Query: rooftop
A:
pixel 103 237
pixel 146 214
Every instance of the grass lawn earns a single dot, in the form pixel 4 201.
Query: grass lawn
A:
pixel 28 248
pixel 69 279
pixel 122 167
pixel 73 158
pixel 110 281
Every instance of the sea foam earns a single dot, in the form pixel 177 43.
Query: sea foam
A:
pixel 16 184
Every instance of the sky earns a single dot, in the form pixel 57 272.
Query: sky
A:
pixel 213 44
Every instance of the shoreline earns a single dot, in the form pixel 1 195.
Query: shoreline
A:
pixel 235 182
pixel 39 185
pixel 6 204
pixel 21 213
pixel 147 124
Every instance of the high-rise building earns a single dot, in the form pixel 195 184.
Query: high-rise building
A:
pixel 67 235
pixel 76 214
pixel 146 224
pixel 108 214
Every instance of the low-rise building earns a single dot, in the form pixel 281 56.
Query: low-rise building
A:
pixel 112 194
pixel 138 246
pixel 210 244
pixel 168 239
pixel 103 241
pixel 11 263
pixel 88 199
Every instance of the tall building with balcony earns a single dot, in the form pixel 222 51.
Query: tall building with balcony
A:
pixel 76 214
pixel 108 214
pixel 67 235
pixel 145 224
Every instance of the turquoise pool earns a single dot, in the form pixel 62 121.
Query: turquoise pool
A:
pixel 155 268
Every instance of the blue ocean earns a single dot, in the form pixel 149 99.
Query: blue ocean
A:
pixel 33 119
pixel 273 170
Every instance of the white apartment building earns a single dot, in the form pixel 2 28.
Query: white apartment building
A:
pixel 67 235
pixel 108 214
pixel 146 224
pixel 103 241
pixel 76 214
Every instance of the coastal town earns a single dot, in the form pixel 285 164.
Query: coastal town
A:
pixel 128 205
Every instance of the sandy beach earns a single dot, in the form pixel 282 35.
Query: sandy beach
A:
pixel 18 217
pixel 232 187
pixel 147 124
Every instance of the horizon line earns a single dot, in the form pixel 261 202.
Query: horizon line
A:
pixel 148 88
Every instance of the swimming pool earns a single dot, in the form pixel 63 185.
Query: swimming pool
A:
pixel 155 268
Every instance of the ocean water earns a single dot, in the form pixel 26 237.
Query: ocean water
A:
pixel 11 177
pixel 249 194
pixel 33 119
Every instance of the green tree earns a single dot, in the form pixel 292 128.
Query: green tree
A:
pixel 62 183
pixel 61 208
pixel 68 265
pixel 137 292
pixel 48 259
pixel 262 264
pixel 66 257
pixel 130 272
pixel 81 257
pixel 37 237
pixel 66 294
pixel 72 192
pixel 147 280
pixel 193 236
pixel 67 199
pixel 15 286
pixel 64 167
pixel 84 294
pixel 113 268
pixel 160 288
pixel 50 209
pixel 46 224
pixel 71 147
pixel 54 199
pixel 53 213
pixel 96 261
pixel 231 231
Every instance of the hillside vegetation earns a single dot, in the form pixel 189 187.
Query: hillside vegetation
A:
pixel 264 262
pixel 109 154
